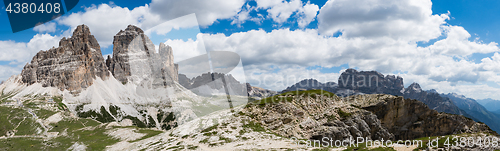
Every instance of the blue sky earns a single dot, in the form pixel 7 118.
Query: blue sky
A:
pixel 339 37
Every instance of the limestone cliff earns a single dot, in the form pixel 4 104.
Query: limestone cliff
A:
pixel 72 66
pixel 135 59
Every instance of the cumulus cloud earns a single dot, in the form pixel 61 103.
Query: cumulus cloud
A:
pixel 457 43
pixel 7 72
pixel 20 52
pixel 104 27
pixel 207 11
pixel 410 20
pixel 49 27
pixel 281 10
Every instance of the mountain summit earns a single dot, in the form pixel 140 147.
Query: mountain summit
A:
pixel 72 66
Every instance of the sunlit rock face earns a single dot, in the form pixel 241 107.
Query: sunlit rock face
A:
pixel 72 66
pixel 136 60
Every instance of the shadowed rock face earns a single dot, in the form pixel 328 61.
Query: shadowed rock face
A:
pixel 135 58
pixel 72 66
pixel 410 119
pixel 370 82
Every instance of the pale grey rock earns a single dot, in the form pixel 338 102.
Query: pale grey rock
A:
pixel 136 60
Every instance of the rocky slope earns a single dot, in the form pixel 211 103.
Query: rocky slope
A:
pixel 72 66
pixel 318 114
pixel 258 92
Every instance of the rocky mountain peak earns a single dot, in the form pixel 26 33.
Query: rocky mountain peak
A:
pixel 414 87
pixel 370 82
pixel 72 66
pixel 81 30
pixel 135 59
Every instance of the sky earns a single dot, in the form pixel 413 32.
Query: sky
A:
pixel 450 46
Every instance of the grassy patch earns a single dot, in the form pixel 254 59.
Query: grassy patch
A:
pixel 21 144
pixel 43 113
pixel 343 114
pixel 94 138
pixel 288 96
pixel 210 128
pixel 149 133
pixel 257 127
pixel 10 118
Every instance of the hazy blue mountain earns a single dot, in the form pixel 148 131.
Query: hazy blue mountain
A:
pixel 473 108
pixel 490 104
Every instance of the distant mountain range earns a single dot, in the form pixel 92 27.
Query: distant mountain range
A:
pixel 208 84
pixel 352 82
pixel 472 107
pixel 491 105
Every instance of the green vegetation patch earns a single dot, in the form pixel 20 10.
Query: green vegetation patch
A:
pixel 94 138
pixel 149 133
pixel 256 127
pixel 343 114
pixel 43 113
pixel 288 96
pixel 17 119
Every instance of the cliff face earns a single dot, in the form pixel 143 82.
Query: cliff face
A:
pixel 135 59
pixel 410 119
pixel 72 66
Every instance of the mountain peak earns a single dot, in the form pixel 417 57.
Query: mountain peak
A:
pixel 414 87
pixel 73 65
pixel 81 30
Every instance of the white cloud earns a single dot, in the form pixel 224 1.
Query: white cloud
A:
pixel 411 20
pixel 116 18
pixel 183 50
pixel 207 11
pixel 307 14
pixel 457 43
pixel 20 52
pixel 281 10
pixel 49 27
pixel 7 72
pixel 283 77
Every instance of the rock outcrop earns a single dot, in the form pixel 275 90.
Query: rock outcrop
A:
pixel 309 115
pixel 72 66
pixel 410 119
pixel 136 60
pixel 370 82
pixel 259 92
